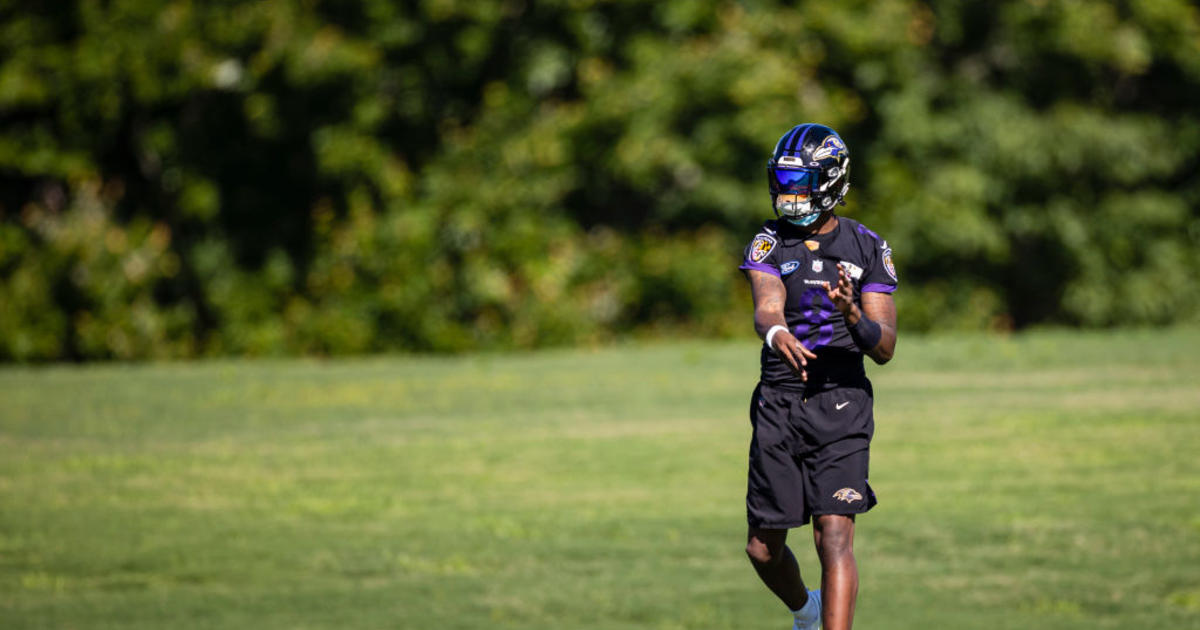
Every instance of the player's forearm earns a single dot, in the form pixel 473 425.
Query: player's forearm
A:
pixel 765 319
pixel 769 296
pixel 883 351
pixel 880 315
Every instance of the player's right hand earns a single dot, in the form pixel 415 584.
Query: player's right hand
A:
pixel 793 353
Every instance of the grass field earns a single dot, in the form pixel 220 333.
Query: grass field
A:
pixel 1049 480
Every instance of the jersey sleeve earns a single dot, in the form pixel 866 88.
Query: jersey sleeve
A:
pixel 761 254
pixel 880 274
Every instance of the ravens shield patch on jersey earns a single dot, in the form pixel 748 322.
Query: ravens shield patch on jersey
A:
pixel 761 246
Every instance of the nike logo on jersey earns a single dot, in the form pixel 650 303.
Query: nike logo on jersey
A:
pixel 840 405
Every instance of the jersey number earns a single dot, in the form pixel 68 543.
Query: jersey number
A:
pixel 818 309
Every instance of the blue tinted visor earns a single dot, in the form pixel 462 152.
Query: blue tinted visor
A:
pixel 791 181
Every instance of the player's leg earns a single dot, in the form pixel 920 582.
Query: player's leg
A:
pixel 775 502
pixel 834 538
pixel 776 566
pixel 778 569
pixel 841 422
pixel 774 495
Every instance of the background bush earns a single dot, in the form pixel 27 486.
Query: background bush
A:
pixel 181 178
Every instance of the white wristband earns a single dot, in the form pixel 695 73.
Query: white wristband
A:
pixel 771 333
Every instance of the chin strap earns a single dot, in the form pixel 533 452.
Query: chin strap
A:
pixel 805 220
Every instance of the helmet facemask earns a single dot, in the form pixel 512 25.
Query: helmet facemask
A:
pixel 796 183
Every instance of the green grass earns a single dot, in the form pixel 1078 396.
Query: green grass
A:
pixel 1050 480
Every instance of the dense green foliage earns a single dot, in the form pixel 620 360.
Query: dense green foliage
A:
pixel 181 178
pixel 593 490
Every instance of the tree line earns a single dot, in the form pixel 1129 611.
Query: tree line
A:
pixel 185 179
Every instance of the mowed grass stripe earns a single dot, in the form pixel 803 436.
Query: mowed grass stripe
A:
pixel 1043 480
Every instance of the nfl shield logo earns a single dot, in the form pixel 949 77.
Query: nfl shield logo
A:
pixel 817 266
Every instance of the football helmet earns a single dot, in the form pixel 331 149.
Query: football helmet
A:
pixel 810 161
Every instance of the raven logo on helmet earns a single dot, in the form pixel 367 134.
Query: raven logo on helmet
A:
pixel 830 147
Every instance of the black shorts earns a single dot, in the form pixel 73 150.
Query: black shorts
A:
pixel 808 456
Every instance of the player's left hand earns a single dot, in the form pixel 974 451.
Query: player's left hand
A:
pixel 842 295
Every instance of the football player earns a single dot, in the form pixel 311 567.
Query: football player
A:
pixel 822 287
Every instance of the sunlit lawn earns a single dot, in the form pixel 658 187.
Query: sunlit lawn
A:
pixel 1042 481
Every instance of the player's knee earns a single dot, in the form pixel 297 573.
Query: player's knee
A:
pixel 837 546
pixel 762 554
pixel 837 538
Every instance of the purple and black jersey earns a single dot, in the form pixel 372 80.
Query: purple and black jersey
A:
pixel 805 264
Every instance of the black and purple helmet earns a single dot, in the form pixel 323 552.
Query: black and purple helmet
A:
pixel 811 161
